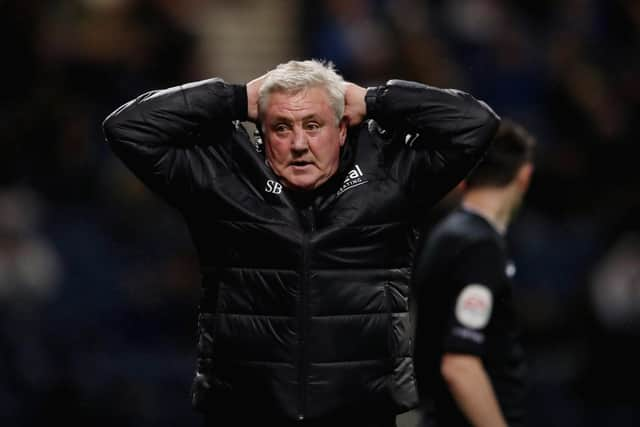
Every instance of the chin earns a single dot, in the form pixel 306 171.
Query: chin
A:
pixel 303 184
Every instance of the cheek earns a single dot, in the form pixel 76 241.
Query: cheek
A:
pixel 328 150
pixel 276 150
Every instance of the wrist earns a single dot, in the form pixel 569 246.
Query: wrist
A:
pixel 371 100
pixel 239 102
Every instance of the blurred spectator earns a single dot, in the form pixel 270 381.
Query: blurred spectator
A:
pixel 353 36
pixel 612 302
pixel 615 286
pixel 30 274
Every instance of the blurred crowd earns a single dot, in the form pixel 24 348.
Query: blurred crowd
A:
pixel 98 279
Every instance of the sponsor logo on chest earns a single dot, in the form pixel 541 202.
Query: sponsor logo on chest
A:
pixel 355 177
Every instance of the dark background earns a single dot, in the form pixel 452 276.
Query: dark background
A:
pixel 98 280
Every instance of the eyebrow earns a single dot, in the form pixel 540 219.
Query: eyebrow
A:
pixel 285 119
pixel 310 117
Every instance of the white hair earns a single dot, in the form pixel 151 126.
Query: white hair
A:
pixel 295 76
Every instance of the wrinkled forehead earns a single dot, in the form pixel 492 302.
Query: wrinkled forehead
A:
pixel 299 103
pixel 296 92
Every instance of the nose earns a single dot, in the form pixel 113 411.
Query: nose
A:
pixel 300 142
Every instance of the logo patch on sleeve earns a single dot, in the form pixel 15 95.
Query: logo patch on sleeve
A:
pixel 473 307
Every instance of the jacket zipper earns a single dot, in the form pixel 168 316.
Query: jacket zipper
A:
pixel 309 227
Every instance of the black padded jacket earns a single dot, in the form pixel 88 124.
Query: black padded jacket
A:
pixel 304 311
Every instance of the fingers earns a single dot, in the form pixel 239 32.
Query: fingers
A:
pixel 253 91
pixel 355 108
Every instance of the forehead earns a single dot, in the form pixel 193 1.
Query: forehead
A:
pixel 310 101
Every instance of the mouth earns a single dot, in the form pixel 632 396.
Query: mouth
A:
pixel 299 163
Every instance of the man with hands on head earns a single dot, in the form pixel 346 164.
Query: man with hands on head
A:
pixel 305 237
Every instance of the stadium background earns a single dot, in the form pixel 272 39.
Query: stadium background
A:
pixel 98 283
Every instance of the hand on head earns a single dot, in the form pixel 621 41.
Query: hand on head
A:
pixel 355 107
pixel 253 92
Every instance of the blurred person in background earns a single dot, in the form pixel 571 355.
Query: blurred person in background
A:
pixel 305 233
pixel 30 275
pixel 609 368
pixel 470 363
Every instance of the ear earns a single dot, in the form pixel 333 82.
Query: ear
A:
pixel 342 129
pixel 523 177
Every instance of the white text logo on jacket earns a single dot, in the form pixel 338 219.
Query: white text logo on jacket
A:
pixel 354 178
pixel 273 187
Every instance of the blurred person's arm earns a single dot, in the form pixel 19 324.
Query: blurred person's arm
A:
pixel 476 275
pixel 171 138
pixel 446 132
pixel 471 388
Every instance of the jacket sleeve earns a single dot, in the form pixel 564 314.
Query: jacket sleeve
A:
pixel 170 139
pixel 438 135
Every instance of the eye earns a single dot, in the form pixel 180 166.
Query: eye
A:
pixel 312 126
pixel 281 127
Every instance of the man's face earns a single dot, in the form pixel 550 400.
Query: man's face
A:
pixel 302 137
